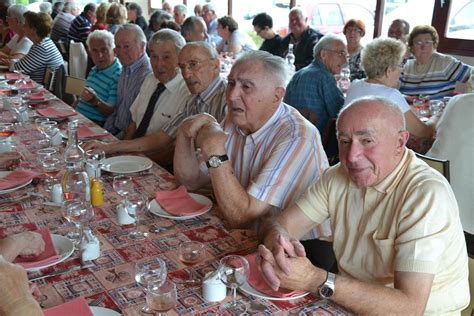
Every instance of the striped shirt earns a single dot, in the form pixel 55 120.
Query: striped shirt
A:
pixel 212 101
pixel 80 28
pixel 40 56
pixel 62 23
pixel 438 78
pixel 129 84
pixel 277 163
pixel 104 83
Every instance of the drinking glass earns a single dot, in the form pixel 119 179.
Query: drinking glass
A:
pixel 136 204
pixel 49 129
pixel 51 167
pixel 94 161
pixel 436 107
pixel 20 107
pixel 44 153
pixel 6 130
pixel 161 297
pixel 78 213
pixel 148 271
pixel 421 105
pixel 190 253
pixel 234 271
pixel 123 185
pixel 38 125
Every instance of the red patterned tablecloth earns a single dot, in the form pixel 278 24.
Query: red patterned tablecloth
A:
pixel 110 282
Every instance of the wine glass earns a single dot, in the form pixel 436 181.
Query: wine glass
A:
pixel 38 125
pixel 20 107
pixel 49 129
pixel 6 131
pixel 151 270
pixel 136 204
pixel 79 213
pixel 123 185
pixel 190 253
pixel 51 167
pixel 161 297
pixel 94 161
pixel 234 271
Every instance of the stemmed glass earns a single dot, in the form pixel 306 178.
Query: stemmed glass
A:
pixel 38 122
pixel 190 253
pixel 50 155
pixel 161 297
pixel 234 272
pixel 51 167
pixel 136 204
pixel 152 270
pixel 421 106
pixel 94 161
pixel 79 213
pixel 123 185
pixel 50 129
pixel 6 131
pixel 20 107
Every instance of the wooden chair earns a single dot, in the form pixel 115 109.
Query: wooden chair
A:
pixel 440 165
pixel 48 79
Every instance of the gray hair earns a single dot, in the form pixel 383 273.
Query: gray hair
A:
pixel 104 35
pixel 70 6
pixel 139 35
pixel 274 66
pixel 168 35
pixel 207 47
pixel 181 8
pixel 380 54
pixel 158 17
pixel 391 109
pixel 46 7
pixel 326 42
pixel 297 10
pixel 16 11
pixel 189 25
pixel 209 7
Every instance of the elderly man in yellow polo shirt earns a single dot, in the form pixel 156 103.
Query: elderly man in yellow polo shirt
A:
pixel 398 239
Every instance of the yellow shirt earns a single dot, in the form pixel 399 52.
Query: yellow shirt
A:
pixel 408 222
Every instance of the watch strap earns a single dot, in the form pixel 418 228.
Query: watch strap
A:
pixel 221 159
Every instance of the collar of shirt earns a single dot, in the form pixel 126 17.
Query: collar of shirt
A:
pixel 109 70
pixel 262 131
pixel 174 84
pixel 137 64
pixel 319 65
pixel 210 89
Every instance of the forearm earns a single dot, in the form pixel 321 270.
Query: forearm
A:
pixel 130 131
pixel 103 107
pixel 25 307
pixel 185 163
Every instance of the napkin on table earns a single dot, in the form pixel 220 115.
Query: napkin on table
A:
pixel 257 281
pixel 76 307
pixel 49 255
pixel 17 178
pixel 27 85
pixel 179 203
pixel 85 132
pixel 53 113
pixel 12 76
pixel 37 96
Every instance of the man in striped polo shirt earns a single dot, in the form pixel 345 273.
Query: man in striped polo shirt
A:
pixel 81 25
pixel 264 154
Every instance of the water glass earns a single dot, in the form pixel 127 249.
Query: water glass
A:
pixel 94 161
pixel 190 253
pixel 123 185
pixel 135 207
pixel 49 129
pixel 234 271
pixel 150 271
pixel 78 213
pixel 161 297
pixel 436 107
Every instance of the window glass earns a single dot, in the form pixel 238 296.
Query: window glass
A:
pixel 461 20
pixel 221 6
pixel 415 12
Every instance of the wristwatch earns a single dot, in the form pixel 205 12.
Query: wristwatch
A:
pixel 327 289
pixel 215 161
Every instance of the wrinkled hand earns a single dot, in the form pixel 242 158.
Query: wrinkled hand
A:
pixel 191 126
pixel 94 144
pixel 15 294
pixel 10 160
pixel 89 95
pixel 211 138
pixel 28 243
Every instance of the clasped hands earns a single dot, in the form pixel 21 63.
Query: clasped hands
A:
pixel 284 264
pixel 205 130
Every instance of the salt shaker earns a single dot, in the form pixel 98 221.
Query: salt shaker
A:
pixel 122 215
pixel 90 246
pixel 213 290
pixel 57 193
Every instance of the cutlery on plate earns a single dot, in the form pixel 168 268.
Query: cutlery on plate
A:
pixel 69 270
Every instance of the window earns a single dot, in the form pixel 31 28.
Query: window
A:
pixel 461 20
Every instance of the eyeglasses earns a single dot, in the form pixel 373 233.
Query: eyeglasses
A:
pixel 402 64
pixel 420 43
pixel 353 29
pixel 340 53
pixel 193 65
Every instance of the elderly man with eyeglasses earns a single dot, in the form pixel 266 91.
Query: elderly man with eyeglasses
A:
pixel 199 64
pixel 313 90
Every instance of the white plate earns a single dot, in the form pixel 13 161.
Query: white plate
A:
pixel 127 164
pixel 102 311
pixel 247 288
pixel 65 248
pixel 3 174
pixel 156 209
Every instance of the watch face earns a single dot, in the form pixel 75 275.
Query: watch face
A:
pixel 325 291
pixel 214 162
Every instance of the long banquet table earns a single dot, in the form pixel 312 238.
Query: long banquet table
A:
pixel 110 281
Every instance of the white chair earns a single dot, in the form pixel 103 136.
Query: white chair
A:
pixel 77 60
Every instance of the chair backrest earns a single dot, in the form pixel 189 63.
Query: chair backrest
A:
pixel 74 85
pixel 48 78
pixel 77 60
pixel 440 165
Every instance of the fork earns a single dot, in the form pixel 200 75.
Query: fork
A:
pixel 97 301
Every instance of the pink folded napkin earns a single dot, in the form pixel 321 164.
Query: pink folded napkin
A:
pixel 27 85
pixel 49 255
pixel 12 76
pixel 16 178
pixel 76 307
pixel 179 203
pixel 37 96
pixel 257 281
pixel 84 132
pixel 53 113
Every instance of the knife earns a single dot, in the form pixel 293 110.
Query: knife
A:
pixel 72 269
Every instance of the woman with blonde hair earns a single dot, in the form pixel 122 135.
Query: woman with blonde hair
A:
pixel 116 15
pixel 100 17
